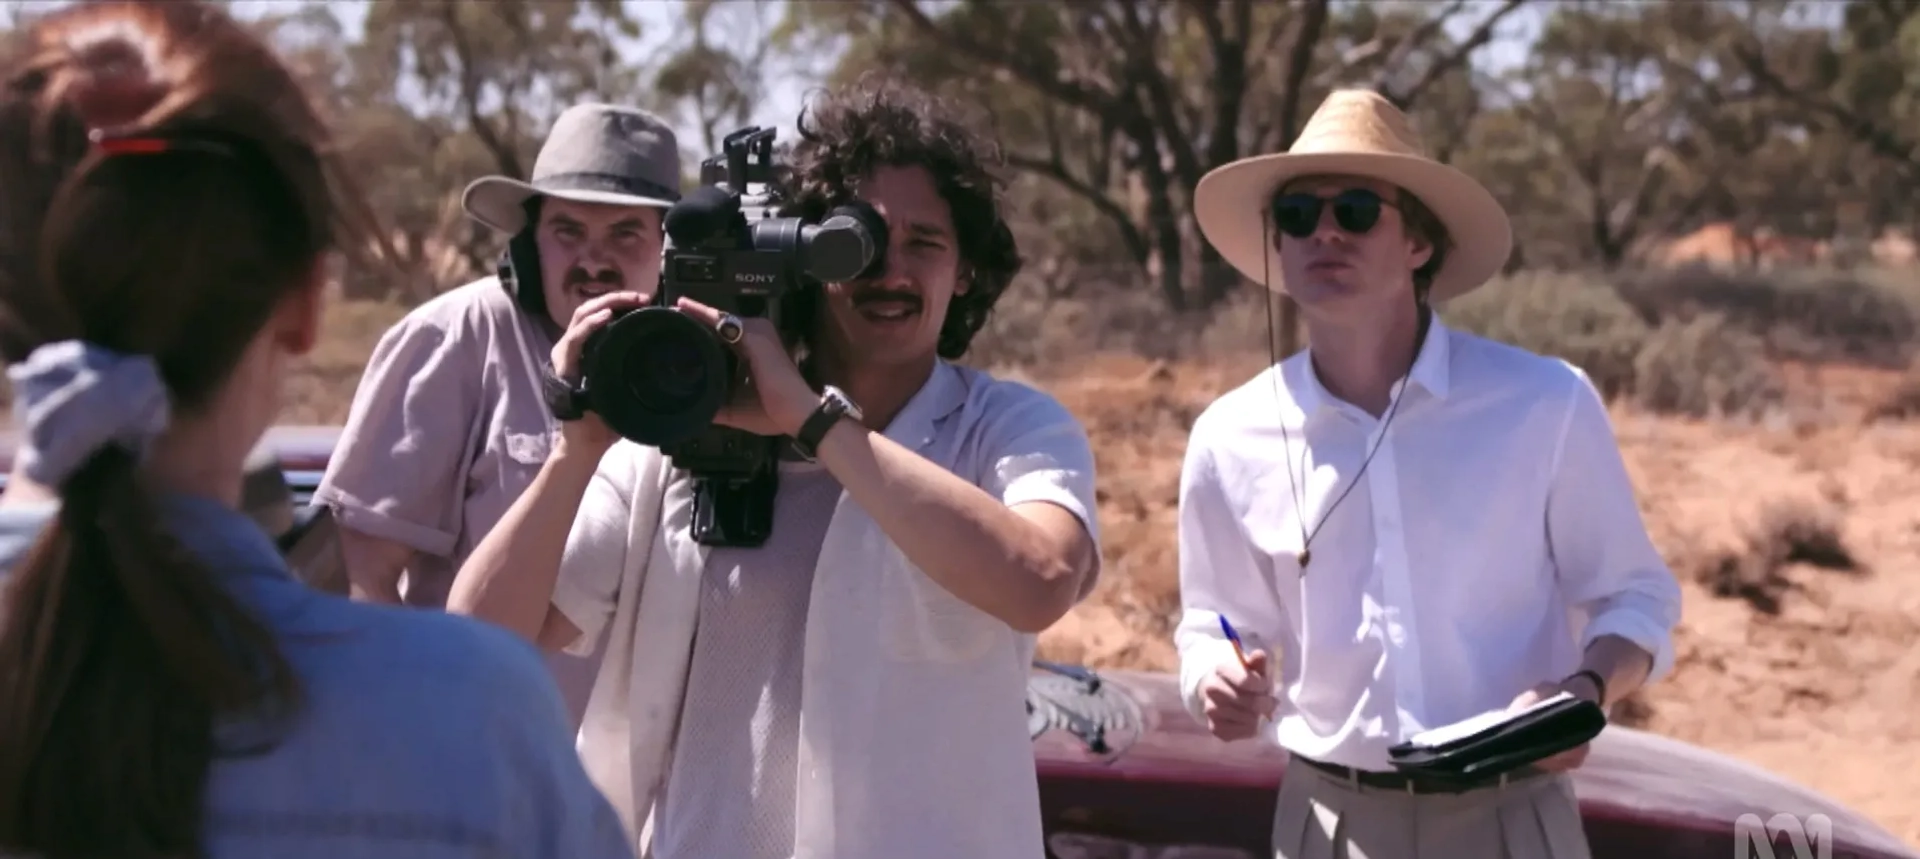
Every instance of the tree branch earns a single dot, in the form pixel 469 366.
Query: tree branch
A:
pixel 1230 79
pixel 1629 214
pixel 1881 139
pixel 1302 38
pixel 1029 73
pixel 1057 171
pixel 1439 68
pixel 1350 59
pixel 505 156
pixel 1404 47
pixel 1144 73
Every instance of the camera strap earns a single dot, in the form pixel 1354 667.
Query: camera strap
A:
pixel 532 365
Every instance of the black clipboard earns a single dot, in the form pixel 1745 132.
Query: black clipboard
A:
pixel 1493 744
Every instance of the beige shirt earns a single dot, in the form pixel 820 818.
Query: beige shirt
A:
pixel 913 736
pixel 447 428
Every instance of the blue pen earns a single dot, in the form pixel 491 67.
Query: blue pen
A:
pixel 1234 638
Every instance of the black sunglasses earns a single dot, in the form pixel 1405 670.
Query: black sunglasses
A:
pixel 1356 210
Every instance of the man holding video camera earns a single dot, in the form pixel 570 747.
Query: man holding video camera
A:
pixel 853 685
pixel 449 423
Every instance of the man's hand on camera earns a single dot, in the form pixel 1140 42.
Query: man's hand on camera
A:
pixel 776 400
pixel 589 434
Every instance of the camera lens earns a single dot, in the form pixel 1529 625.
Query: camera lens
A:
pixel 656 376
pixel 666 374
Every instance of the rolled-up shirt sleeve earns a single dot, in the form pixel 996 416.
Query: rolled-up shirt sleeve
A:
pixel 1607 564
pixel 1038 451
pixel 398 470
pixel 1219 576
pixel 596 553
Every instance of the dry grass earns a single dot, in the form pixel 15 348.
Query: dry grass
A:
pixel 1903 402
pixel 1802 660
pixel 1785 532
pixel 1769 434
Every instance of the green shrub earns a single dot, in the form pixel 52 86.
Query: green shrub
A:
pixel 1567 316
pixel 1698 365
pixel 1811 315
pixel 1704 367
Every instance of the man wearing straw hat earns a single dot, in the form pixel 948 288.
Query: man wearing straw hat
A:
pixel 1418 524
pixel 450 422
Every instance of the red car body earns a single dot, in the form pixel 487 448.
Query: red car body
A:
pixel 1175 792
pixel 1126 773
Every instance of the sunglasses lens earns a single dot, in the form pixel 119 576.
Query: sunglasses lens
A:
pixel 1296 215
pixel 1357 210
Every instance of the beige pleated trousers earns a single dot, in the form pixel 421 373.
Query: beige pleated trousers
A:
pixel 1321 816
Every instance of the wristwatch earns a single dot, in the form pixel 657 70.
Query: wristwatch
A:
pixel 834 405
pixel 565 400
pixel 1599 684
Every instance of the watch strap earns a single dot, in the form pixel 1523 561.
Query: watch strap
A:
pixel 565 401
pixel 833 406
pixel 1599 683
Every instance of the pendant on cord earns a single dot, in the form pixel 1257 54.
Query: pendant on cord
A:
pixel 1303 557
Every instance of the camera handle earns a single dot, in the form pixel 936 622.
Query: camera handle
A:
pixel 737 511
pixel 752 140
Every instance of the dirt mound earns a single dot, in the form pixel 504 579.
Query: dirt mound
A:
pixel 1798 550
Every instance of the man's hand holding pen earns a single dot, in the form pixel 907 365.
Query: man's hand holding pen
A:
pixel 1238 694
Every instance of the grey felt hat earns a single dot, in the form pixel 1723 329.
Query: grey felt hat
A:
pixel 596 153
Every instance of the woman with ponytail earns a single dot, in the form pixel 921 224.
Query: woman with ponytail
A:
pixel 168 207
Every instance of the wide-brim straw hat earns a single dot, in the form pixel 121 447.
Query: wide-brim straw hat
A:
pixel 596 153
pixel 1355 133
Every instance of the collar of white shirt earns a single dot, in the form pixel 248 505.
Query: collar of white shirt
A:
pixel 1430 372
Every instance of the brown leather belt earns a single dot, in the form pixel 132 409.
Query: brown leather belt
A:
pixel 1409 783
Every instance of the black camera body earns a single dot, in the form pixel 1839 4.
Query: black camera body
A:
pixel 658 377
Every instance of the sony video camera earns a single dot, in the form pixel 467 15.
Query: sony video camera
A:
pixel 659 377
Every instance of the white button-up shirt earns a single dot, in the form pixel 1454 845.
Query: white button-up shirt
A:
pixel 1494 534
pixel 913 730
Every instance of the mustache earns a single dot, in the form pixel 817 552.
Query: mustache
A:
pixel 870 295
pixel 577 276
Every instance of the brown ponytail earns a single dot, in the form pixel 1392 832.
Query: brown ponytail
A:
pixel 119 652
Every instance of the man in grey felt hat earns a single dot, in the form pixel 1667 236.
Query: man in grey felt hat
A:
pixel 449 425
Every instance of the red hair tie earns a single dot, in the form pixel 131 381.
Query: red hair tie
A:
pixel 114 144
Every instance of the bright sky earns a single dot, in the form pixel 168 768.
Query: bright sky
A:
pixel 658 21
pixel 660 18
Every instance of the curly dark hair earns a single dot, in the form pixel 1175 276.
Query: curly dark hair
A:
pixel 846 134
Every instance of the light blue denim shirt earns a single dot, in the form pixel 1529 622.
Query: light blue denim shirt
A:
pixel 424 735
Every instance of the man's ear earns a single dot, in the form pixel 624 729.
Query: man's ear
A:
pixel 1421 250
